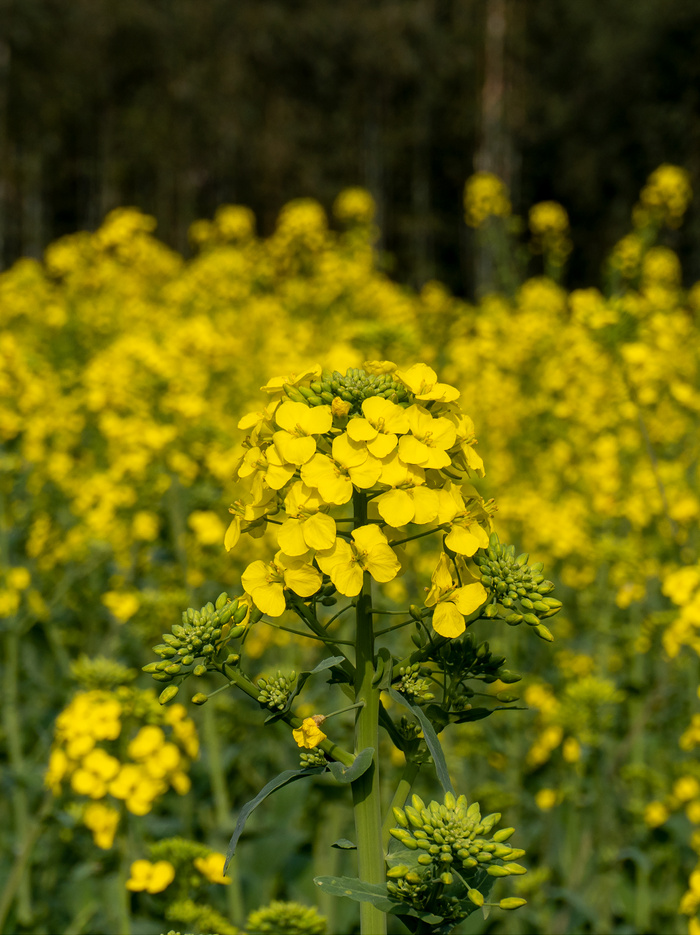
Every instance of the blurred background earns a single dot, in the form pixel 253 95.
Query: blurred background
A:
pixel 199 195
pixel 176 106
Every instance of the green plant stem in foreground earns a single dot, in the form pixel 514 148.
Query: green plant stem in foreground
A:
pixel 365 790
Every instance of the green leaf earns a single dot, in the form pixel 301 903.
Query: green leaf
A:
pixel 431 739
pixel 375 893
pixel 360 765
pixel 476 714
pixel 344 845
pixel 302 679
pixel 289 775
pixel 382 677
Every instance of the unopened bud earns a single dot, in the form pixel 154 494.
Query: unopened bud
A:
pixel 512 902
pixel 168 694
pixel 200 698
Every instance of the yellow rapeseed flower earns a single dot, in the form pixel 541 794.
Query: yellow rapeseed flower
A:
pixel 333 477
pixel 153 878
pixel 212 867
pixel 102 820
pixel 369 551
pixel 422 381
pixel 265 582
pixel 310 735
pixel 307 526
pixel 451 601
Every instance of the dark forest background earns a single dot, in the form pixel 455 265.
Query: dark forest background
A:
pixel 177 106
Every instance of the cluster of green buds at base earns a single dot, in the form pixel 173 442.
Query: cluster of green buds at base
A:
pixel 285 918
pixel 315 757
pixel 446 844
pixel 353 388
pixel 190 646
pixel 520 589
pixel 412 685
pixel 275 692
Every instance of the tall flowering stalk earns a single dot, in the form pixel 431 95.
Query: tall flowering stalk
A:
pixel 342 470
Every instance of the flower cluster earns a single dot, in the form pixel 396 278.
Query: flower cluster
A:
pixel 397 436
pixel 485 196
pixel 120 746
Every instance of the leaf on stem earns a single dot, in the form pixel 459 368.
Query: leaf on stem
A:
pixel 289 775
pixel 360 765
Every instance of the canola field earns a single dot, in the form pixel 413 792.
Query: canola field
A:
pixel 125 374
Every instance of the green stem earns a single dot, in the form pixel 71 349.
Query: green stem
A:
pixel 410 771
pixel 222 810
pixel 306 636
pixel 16 876
pixel 13 732
pixel 418 535
pixel 365 790
pixel 123 896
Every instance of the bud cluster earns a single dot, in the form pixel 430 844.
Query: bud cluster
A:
pixel 412 685
pixel 520 589
pixel 315 757
pixel 442 842
pixel 353 388
pixel 201 635
pixel 275 692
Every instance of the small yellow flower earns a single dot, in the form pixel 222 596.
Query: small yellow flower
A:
pixel 153 878
pixel 307 527
pixel 546 799
pixel 429 440
pixel 410 501
pixel 299 423
pixel 266 582
pixel 310 735
pixel 346 562
pixel 102 820
pixel 212 867
pixel 655 814
pixel 452 603
pixel 382 420
pixel 334 477
pixel 422 381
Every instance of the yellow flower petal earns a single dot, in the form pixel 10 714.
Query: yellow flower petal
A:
pixel 463 540
pixel 319 531
pixel 447 620
pixel 396 507
pixel 291 539
pixel 468 598
pixel 309 735
pixel 360 430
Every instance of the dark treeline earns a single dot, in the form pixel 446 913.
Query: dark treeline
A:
pixel 179 105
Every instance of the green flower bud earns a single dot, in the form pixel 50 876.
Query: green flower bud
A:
pixel 531 619
pixel 516 869
pixel 507 697
pixel 221 600
pixel 151 667
pixel 503 834
pixel 476 897
pixel 168 694
pixel 199 671
pixel 496 871
pixel 425 859
pixel 397 872
pixel 400 817
pixel 544 633
pixel 174 668
pixel 446 878
pixel 512 902
pixel 200 698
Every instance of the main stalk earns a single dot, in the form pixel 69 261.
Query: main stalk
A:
pixel 365 790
